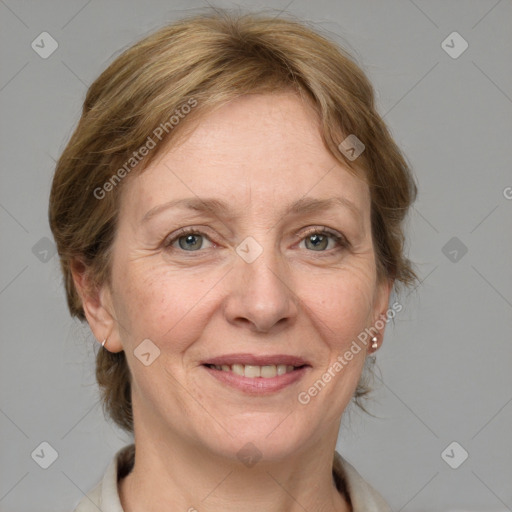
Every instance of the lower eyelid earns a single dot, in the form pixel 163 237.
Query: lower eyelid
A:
pixel 338 245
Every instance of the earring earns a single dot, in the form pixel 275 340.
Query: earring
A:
pixel 103 343
pixel 374 342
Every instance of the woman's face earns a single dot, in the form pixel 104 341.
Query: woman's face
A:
pixel 274 275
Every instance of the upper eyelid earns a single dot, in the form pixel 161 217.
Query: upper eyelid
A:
pixel 321 229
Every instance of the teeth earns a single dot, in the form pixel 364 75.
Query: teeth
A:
pixel 238 369
pixel 253 371
pixel 269 371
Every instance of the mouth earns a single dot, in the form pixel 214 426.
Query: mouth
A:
pixel 257 374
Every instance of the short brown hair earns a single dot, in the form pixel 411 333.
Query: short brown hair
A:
pixel 211 59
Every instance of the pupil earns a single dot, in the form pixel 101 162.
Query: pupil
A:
pixel 190 242
pixel 318 241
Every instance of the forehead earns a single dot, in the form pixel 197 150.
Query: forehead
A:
pixel 257 151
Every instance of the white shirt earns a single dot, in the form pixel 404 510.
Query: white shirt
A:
pixel 105 496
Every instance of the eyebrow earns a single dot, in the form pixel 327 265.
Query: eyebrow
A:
pixel 217 207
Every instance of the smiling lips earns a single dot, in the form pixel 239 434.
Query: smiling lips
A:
pixel 253 373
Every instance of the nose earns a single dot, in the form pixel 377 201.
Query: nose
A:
pixel 260 296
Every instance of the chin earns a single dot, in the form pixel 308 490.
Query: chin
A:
pixel 270 437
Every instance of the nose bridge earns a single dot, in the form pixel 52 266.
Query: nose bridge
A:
pixel 264 269
pixel 260 292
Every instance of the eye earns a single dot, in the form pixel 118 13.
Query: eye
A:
pixel 317 240
pixel 321 240
pixel 189 240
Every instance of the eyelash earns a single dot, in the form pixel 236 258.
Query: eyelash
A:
pixel 340 240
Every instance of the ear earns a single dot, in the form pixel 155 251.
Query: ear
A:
pixel 97 304
pixel 380 309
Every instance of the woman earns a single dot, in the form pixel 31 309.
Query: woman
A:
pixel 228 215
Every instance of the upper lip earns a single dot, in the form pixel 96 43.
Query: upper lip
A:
pixel 256 360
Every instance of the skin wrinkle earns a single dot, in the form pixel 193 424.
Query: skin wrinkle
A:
pixel 287 301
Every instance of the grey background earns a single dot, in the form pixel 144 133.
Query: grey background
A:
pixel 445 364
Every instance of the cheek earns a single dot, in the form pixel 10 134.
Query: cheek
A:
pixel 340 310
pixel 342 305
pixel 163 305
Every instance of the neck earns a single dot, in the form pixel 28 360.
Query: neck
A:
pixel 173 473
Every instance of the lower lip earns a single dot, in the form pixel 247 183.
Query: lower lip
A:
pixel 257 385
